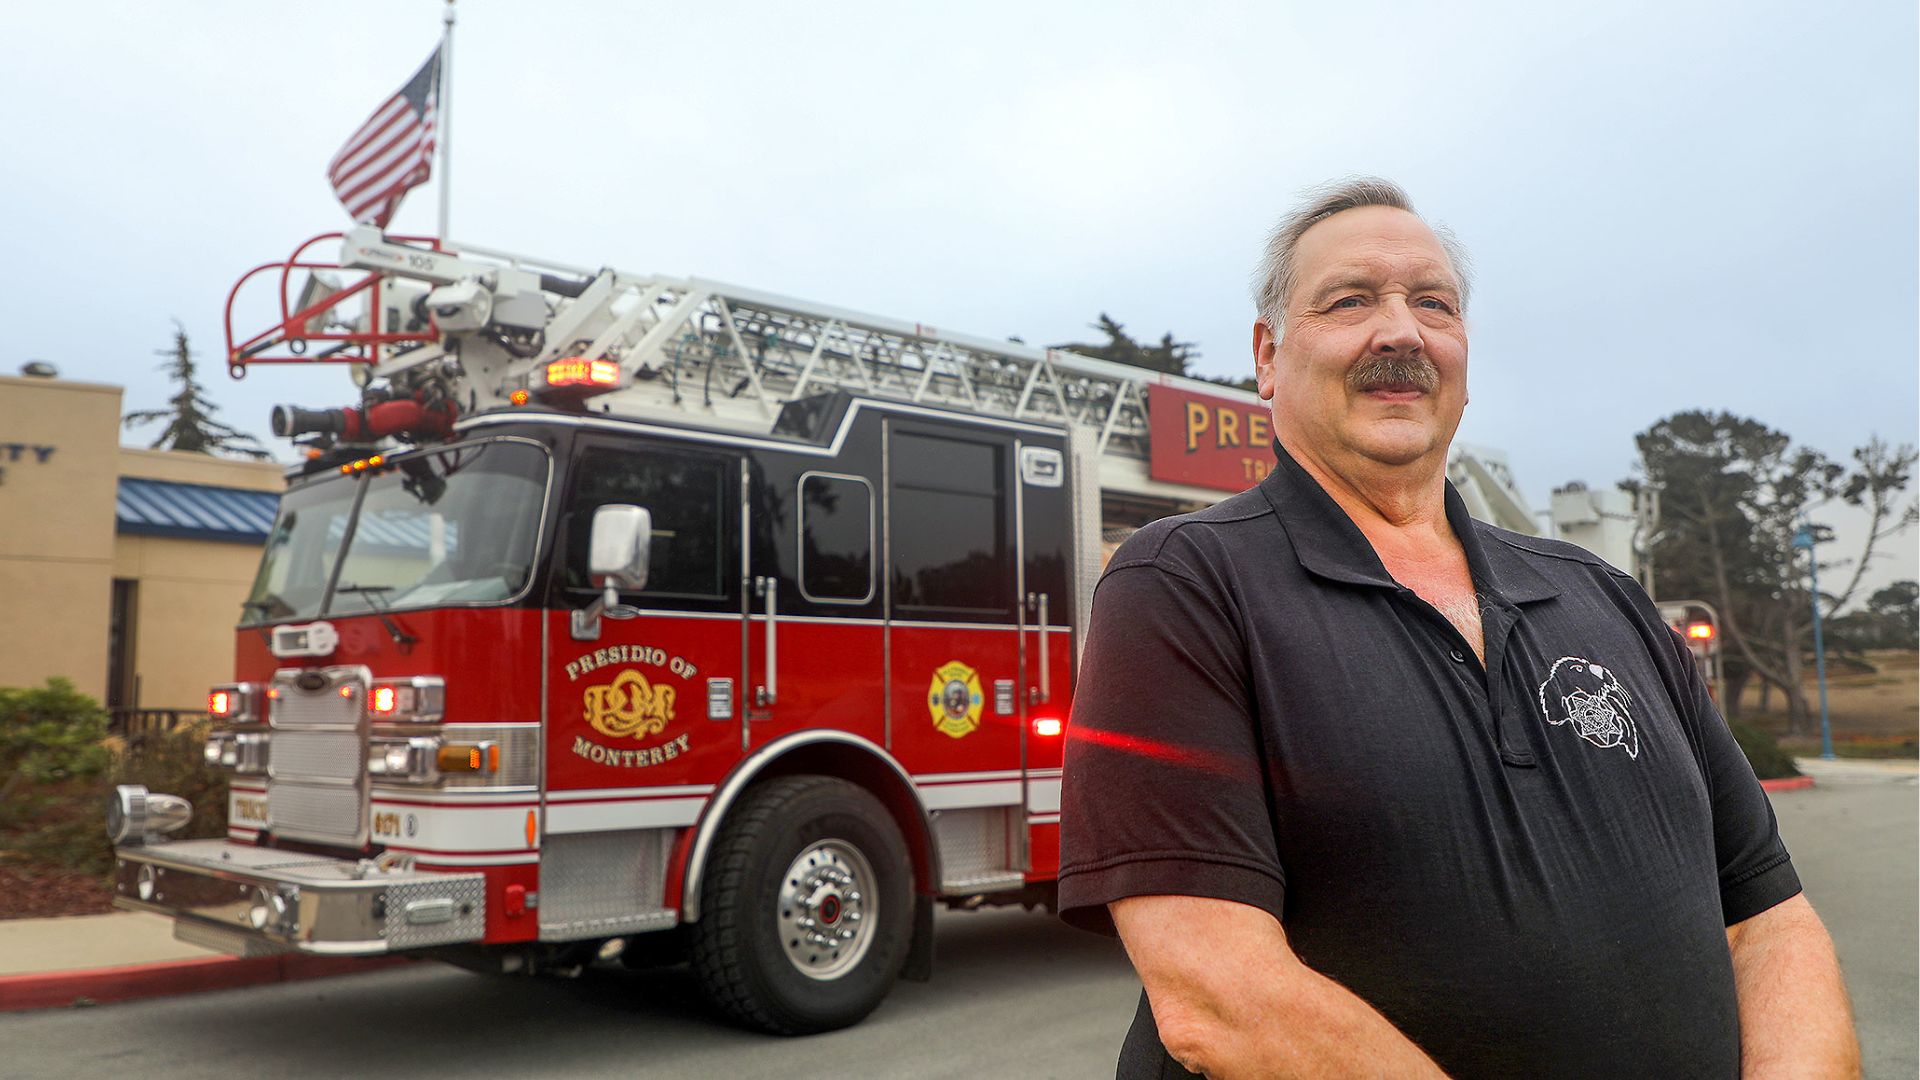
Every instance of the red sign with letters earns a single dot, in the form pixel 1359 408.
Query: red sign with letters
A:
pixel 1208 441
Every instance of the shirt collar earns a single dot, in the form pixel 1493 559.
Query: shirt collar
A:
pixel 1330 545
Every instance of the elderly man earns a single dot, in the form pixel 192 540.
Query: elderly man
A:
pixel 1369 788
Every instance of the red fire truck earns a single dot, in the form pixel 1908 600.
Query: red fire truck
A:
pixel 648 617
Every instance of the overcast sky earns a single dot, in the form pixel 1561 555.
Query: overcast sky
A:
pixel 1670 205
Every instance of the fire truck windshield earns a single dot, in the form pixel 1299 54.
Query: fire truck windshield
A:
pixel 454 526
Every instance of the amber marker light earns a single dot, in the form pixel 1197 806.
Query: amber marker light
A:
pixel 1047 726
pixel 519 397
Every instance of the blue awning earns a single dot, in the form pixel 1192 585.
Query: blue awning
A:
pixel 194 511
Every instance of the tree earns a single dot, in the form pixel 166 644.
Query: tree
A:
pixel 1898 605
pixel 189 413
pixel 1733 494
pixel 1168 355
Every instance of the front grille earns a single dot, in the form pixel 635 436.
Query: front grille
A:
pixel 316 780
pixel 320 755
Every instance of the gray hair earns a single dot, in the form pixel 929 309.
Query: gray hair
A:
pixel 1276 276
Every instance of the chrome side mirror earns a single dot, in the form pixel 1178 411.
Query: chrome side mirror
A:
pixel 618 551
pixel 621 547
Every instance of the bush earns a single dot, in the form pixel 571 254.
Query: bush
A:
pixel 57 767
pixel 1763 752
pixel 50 738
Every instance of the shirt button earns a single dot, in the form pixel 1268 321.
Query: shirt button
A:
pixel 1458 656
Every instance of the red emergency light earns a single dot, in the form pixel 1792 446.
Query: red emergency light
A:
pixel 579 373
pixel 1700 631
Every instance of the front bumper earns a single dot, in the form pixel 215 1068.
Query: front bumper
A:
pixel 245 899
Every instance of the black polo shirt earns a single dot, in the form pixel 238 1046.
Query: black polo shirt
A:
pixel 1526 867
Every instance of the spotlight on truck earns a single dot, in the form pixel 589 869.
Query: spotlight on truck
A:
pixel 136 815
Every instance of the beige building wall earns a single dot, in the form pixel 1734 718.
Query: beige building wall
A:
pixel 60 552
pixel 188 592
pixel 59 446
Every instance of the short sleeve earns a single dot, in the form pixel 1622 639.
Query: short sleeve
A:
pixel 1755 870
pixel 1164 784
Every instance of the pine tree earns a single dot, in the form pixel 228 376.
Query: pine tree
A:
pixel 189 413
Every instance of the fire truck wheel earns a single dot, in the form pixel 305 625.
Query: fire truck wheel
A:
pixel 806 908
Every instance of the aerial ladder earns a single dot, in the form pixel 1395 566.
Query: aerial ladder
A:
pixel 447 330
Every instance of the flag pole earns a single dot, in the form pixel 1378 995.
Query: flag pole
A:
pixel 444 129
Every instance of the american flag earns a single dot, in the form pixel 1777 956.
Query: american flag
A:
pixel 392 152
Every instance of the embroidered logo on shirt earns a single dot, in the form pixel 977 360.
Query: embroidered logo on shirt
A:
pixel 1590 698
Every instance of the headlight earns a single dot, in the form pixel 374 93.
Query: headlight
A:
pixel 409 761
pixel 244 752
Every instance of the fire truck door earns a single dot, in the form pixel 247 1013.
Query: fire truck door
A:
pixel 653 698
pixel 954 639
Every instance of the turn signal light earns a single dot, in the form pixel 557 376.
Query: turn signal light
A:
pixel 1047 726
pixel 468 757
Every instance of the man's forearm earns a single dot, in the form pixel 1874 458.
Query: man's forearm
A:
pixel 1794 1018
pixel 1249 1007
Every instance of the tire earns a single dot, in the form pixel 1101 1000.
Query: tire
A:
pixel 799 848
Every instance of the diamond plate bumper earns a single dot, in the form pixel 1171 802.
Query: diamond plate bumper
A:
pixel 259 898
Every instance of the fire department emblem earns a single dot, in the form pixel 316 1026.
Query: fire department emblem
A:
pixel 628 706
pixel 1590 698
pixel 955 699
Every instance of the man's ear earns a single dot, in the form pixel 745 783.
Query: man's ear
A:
pixel 1266 347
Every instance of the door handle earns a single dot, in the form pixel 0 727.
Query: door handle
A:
pixel 769 693
pixel 1038 602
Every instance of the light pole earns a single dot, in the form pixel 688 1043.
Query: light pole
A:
pixel 1804 538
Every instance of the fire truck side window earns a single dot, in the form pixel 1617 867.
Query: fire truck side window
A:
pixel 948 518
pixel 685 494
pixel 836 539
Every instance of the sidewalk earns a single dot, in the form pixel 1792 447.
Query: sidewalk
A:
pixel 1858 770
pixel 91 959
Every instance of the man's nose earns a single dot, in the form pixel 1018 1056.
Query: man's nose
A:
pixel 1397 331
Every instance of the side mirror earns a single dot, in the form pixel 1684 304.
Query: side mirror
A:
pixel 621 547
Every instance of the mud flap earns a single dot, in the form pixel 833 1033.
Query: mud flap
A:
pixel 919 965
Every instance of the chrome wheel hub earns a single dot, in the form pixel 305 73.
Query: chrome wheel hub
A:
pixel 826 912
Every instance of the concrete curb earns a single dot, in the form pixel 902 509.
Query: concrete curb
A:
pixel 61 989
pixel 1788 783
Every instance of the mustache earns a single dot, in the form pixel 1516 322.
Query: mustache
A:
pixel 1393 372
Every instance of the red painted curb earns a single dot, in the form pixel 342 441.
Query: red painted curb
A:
pixel 59 989
pixel 1788 783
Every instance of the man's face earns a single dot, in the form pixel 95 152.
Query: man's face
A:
pixel 1373 364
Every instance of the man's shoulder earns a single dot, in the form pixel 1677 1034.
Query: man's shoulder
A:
pixel 1178 542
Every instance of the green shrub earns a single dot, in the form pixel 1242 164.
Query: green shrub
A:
pixel 50 737
pixel 57 766
pixel 1763 752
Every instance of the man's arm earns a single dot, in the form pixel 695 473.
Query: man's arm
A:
pixel 1794 1018
pixel 1244 1005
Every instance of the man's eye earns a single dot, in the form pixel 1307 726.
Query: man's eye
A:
pixel 1347 302
pixel 1434 303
